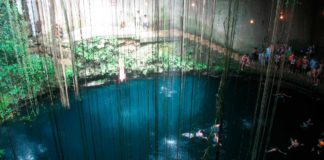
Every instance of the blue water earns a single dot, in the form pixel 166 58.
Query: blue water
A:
pixel 139 119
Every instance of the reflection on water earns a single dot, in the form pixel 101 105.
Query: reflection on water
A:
pixel 171 148
pixel 167 92
pixel 26 148
pixel 246 123
pixel 170 142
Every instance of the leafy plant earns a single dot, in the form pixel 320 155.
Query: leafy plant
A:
pixel 69 75
pixel 100 54
pixel 23 76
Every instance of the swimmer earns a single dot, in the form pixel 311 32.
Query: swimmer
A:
pixel 276 149
pixel 188 135
pixel 319 148
pixel 307 123
pixel 321 142
pixel 216 140
pixel 282 95
pixel 200 134
pixel 216 125
pixel 215 128
pixel 294 143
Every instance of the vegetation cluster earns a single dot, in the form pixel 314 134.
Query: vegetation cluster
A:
pixel 99 56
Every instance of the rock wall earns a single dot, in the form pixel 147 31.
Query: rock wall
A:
pixel 197 18
pixel 247 35
pixel 318 24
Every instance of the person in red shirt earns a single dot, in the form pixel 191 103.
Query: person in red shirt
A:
pixel 291 57
pixel 299 64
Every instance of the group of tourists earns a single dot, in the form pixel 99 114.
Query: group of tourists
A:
pixel 303 62
pixel 310 67
pixel 303 146
pixel 140 21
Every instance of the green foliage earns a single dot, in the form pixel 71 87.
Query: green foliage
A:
pixel 69 75
pixel 13 87
pixel 99 54
pixel 11 22
pixel 9 59
pixel 5 111
pixel 168 60
pixel 22 76
pixel 37 73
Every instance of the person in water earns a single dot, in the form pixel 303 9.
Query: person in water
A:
pixel 200 134
pixel 294 144
pixel 276 149
pixel 216 140
pixel 318 150
pixel 215 130
pixel 282 95
pixel 307 123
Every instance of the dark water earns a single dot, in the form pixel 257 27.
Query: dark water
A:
pixel 139 119
pixel 290 115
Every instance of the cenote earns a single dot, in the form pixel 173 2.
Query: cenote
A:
pixel 162 79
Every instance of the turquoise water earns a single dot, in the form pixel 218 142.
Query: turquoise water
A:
pixel 138 119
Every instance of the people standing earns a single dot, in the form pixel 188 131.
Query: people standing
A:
pixel 262 57
pixel 255 55
pixel 292 62
pixel 137 19
pixel 145 22
pixel 245 61
pixel 305 63
pixel 267 55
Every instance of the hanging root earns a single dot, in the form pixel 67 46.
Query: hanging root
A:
pixel 229 27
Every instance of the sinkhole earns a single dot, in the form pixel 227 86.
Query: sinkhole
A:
pixel 163 79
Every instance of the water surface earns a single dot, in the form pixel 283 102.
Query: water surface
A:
pixel 138 119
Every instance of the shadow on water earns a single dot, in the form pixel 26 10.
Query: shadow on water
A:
pixel 138 119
